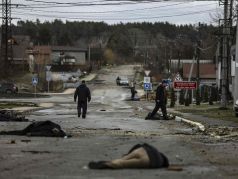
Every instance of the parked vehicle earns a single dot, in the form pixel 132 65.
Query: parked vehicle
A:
pixel 124 81
pixel 236 108
pixel 8 87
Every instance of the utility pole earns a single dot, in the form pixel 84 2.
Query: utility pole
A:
pixel 236 62
pixel 6 36
pixel 179 61
pixel 170 59
pixel 224 56
pixel 198 65
pixel 89 54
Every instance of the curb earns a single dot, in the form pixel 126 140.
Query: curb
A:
pixel 198 125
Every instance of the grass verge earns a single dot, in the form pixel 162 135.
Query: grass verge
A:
pixel 10 105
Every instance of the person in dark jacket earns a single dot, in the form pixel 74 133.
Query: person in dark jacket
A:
pixel 133 92
pixel 118 80
pixel 160 101
pixel 83 94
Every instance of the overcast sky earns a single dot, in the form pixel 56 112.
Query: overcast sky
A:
pixel 111 12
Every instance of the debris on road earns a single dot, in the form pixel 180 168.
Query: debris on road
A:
pixel 221 132
pixel 8 115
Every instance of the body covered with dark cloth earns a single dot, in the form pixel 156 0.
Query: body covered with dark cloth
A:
pixel 40 128
pixel 157 159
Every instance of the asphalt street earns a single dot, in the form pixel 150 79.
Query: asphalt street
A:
pixel 113 125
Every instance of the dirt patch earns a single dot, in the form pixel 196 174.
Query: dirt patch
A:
pixel 223 133
pixel 220 153
pixel 211 112
pixel 78 131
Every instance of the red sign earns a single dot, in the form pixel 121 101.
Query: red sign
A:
pixel 185 84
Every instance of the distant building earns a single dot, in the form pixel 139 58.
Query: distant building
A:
pixel 21 43
pixel 42 55
pixel 207 73
pixel 64 55
pixel 176 64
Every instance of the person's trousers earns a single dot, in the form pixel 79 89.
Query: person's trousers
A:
pixel 133 95
pixel 82 108
pixel 163 109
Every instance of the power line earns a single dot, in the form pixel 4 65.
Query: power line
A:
pixel 59 4
pixel 135 18
pixel 131 10
pixel 127 10
pixel 95 12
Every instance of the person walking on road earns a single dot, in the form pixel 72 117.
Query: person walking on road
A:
pixel 133 91
pixel 160 101
pixel 83 94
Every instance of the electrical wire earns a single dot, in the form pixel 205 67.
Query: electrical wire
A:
pixel 59 4
pixel 135 18
pixel 32 11
pixel 115 11
pixel 207 48
pixel 131 10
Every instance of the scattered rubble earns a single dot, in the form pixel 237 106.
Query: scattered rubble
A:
pixel 9 115
pixel 221 132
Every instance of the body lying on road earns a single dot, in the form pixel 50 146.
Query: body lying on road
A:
pixel 40 128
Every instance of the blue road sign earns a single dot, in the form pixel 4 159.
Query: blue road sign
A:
pixel 147 86
pixel 34 80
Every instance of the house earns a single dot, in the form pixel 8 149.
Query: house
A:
pixel 207 73
pixel 42 55
pixel 65 55
pixel 177 64
pixel 19 49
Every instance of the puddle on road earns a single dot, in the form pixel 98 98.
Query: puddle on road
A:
pixel 185 131
pixel 55 112
pixel 47 111
pixel 125 107
pixel 65 105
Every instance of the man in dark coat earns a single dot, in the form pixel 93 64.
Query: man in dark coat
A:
pixel 133 92
pixel 160 101
pixel 83 94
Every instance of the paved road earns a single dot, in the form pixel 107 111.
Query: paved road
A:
pixel 113 125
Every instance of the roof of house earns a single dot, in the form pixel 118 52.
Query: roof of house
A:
pixel 68 48
pixel 191 60
pixel 43 49
pixel 205 70
pixel 22 43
